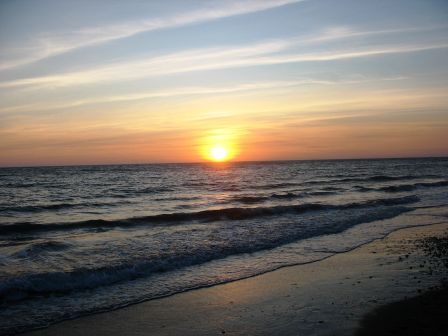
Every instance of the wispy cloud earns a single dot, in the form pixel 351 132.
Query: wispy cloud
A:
pixel 190 91
pixel 344 54
pixel 59 43
pixel 161 65
pixel 269 53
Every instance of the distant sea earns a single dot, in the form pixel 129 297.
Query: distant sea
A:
pixel 84 239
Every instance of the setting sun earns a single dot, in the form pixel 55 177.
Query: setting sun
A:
pixel 219 153
pixel 220 145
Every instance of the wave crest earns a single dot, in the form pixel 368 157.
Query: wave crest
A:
pixel 202 216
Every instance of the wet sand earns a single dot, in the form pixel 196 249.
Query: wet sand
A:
pixel 329 297
pixel 424 314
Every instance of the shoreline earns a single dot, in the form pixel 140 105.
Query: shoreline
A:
pixel 306 298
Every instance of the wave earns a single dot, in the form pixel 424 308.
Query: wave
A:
pixel 37 284
pixel 252 199
pixel 37 249
pixel 249 199
pixel 276 185
pixel 410 187
pixel 403 187
pixel 332 189
pixel 203 216
pixel 375 178
pixel 399 188
pixel 238 187
pixel 178 198
pixel 387 178
pixel 151 190
pixel 18 184
pixel 321 193
pixel 57 206
pixel 213 186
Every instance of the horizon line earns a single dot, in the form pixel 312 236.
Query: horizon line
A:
pixel 227 162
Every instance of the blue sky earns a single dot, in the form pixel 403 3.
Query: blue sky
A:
pixel 158 81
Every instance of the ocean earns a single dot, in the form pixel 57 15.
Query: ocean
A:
pixel 84 239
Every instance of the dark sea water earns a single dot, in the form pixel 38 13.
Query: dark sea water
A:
pixel 78 240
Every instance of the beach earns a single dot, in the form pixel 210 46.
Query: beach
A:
pixel 328 297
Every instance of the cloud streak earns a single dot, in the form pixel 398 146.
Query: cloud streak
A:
pixel 63 42
pixel 213 59
pixel 189 91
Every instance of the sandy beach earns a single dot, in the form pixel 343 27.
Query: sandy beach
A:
pixel 329 297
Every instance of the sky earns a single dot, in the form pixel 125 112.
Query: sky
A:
pixel 105 82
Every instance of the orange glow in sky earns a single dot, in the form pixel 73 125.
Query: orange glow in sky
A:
pixel 220 145
pixel 269 80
